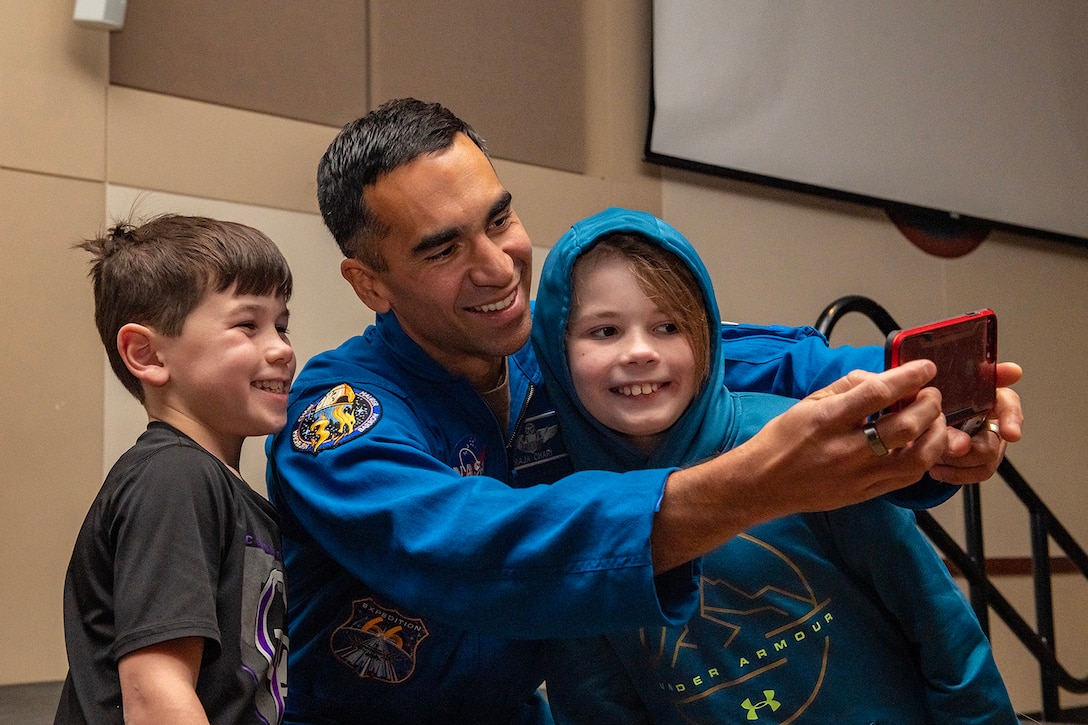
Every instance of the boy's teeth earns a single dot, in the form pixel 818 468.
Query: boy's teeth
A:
pixel 271 386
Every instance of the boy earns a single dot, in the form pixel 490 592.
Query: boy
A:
pixel 841 616
pixel 174 601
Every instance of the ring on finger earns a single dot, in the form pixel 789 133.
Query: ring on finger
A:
pixel 993 427
pixel 875 442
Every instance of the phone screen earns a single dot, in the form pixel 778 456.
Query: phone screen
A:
pixel 965 351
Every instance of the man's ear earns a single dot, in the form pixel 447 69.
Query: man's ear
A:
pixel 367 284
pixel 137 346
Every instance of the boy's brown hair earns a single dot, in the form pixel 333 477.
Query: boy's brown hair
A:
pixel 157 272
pixel 666 280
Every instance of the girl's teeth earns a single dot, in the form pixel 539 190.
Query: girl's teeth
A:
pixel 643 389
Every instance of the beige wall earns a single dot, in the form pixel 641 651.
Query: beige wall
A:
pixel 75 152
pixel 51 190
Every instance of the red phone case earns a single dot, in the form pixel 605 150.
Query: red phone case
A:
pixel 964 349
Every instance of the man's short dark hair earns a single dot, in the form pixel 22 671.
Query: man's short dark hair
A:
pixel 394 134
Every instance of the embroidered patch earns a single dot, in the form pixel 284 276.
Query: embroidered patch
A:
pixel 532 438
pixel 378 643
pixel 537 441
pixel 341 415
pixel 470 456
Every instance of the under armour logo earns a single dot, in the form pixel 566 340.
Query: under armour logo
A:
pixel 769 702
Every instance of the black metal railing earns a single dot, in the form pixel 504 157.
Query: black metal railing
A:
pixel 970 559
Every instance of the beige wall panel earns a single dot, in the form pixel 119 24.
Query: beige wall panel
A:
pixel 51 406
pixel 515 71
pixel 199 149
pixel 549 201
pixel 52 91
pixel 302 60
pixel 760 242
pixel 618 111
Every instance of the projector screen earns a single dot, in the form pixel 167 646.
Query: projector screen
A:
pixel 977 109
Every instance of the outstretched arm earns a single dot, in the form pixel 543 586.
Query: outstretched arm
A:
pixel 813 457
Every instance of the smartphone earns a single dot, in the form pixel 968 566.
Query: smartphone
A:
pixel 964 349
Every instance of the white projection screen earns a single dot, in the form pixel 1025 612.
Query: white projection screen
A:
pixel 977 109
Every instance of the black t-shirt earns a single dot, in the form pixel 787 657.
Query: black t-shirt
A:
pixel 175 545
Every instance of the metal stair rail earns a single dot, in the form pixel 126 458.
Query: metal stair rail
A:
pixel 970 559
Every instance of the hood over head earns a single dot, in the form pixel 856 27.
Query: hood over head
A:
pixel 705 427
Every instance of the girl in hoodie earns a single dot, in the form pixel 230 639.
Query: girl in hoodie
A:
pixel 846 616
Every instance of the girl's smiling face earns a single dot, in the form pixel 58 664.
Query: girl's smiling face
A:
pixel 631 366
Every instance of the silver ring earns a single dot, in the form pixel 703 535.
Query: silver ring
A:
pixel 993 427
pixel 874 440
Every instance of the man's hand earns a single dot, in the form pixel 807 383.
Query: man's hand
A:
pixel 813 457
pixel 826 457
pixel 970 459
